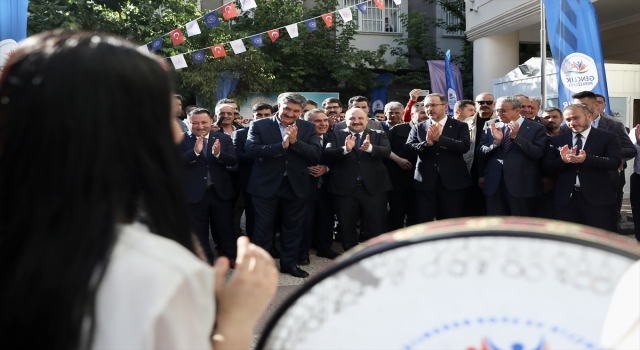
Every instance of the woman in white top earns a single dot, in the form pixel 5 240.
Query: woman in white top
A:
pixel 95 240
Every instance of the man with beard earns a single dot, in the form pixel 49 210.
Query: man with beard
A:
pixel 209 190
pixel 401 165
pixel 475 203
pixel 441 177
pixel 584 192
pixel 332 108
pixel 463 109
pixel 282 145
pixel 177 110
pixel 358 180
pixel 551 119
pixel 318 221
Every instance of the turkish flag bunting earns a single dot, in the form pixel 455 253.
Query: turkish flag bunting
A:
pixel 328 19
pixel 229 11
pixel 379 3
pixel 218 51
pixel 274 34
pixel 176 37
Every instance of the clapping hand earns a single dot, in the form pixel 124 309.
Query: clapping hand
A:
pixel 215 149
pixel 199 145
pixel 435 132
pixel 292 132
pixel 573 158
pixel 514 126
pixel 496 133
pixel 349 143
pixel 365 145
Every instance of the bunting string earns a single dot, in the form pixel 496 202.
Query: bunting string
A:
pixel 229 11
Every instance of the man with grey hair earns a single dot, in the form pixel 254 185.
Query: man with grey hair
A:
pixel 393 111
pixel 583 158
pixel 536 102
pixel 282 145
pixel 509 166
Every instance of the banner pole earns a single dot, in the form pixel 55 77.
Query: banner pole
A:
pixel 543 59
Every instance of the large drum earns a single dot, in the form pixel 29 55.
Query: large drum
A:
pixel 473 284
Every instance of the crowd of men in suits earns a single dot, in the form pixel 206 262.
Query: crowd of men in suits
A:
pixel 295 170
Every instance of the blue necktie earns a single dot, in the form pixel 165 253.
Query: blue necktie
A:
pixel 204 147
pixel 578 144
pixel 358 143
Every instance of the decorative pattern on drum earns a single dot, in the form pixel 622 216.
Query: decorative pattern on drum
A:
pixel 480 292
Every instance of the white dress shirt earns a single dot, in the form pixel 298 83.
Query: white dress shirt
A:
pixel 574 139
pixel 368 150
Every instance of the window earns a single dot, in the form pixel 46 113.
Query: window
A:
pixel 451 20
pixel 376 20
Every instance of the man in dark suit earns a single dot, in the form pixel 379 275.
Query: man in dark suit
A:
pixel 509 166
pixel 282 147
pixel 358 178
pixel 605 122
pixel 245 163
pixel 318 222
pixel 209 190
pixel 441 175
pixel 401 166
pixel 585 192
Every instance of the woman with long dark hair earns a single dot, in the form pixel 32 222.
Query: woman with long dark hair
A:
pixel 95 239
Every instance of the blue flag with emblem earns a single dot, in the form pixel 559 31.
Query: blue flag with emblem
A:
pixel 311 24
pixel 13 27
pixel 211 19
pixel 198 56
pixel 452 96
pixel 379 93
pixel 362 7
pixel 256 40
pixel 574 37
pixel 156 44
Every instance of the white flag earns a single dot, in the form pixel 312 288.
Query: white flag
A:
pixel 292 29
pixel 193 28
pixel 178 61
pixel 346 14
pixel 144 49
pixel 248 4
pixel 398 2
pixel 238 46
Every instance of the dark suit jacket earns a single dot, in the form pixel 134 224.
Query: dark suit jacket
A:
pixel 603 155
pixel 520 166
pixel 344 171
pixel 197 166
pixel 398 136
pixel 245 163
pixel 616 127
pixel 445 157
pixel 314 182
pixel 264 144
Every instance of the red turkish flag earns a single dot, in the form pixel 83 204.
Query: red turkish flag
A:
pixel 274 34
pixel 229 11
pixel 379 3
pixel 176 37
pixel 218 51
pixel 328 19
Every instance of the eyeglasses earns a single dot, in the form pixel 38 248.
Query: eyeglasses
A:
pixel 502 111
pixel 433 105
pixel 489 103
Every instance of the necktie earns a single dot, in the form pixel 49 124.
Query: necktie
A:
pixel 358 143
pixel 321 143
pixel 506 144
pixel 204 147
pixel 578 144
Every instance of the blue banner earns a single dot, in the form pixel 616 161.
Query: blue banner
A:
pixel 13 27
pixel 452 96
pixel 227 83
pixel 379 93
pixel 574 37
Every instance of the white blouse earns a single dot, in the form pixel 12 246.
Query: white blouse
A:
pixel 155 295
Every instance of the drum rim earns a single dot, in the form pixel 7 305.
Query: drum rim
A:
pixel 385 243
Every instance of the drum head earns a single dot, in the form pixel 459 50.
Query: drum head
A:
pixel 480 283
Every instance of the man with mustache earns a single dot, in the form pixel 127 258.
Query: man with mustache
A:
pixel 358 179
pixel 332 108
pixel 551 119
pixel 282 146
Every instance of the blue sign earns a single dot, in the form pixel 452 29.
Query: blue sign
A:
pixel 574 37
pixel 452 96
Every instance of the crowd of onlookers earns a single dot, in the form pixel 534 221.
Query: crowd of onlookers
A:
pixel 309 170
